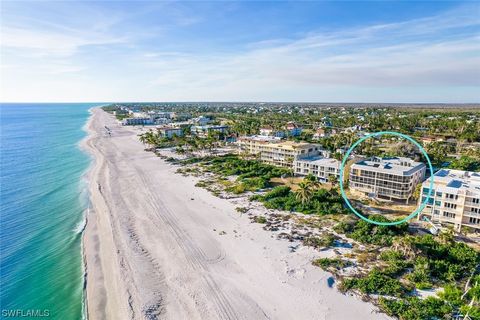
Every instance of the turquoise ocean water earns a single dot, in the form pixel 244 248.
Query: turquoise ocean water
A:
pixel 43 201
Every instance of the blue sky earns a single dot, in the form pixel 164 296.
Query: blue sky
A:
pixel 325 51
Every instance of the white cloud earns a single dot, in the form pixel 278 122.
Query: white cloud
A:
pixel 51 43
pixel 430 58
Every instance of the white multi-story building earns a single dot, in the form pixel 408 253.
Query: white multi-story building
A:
pixel 455 198
pixel 170 132
pixel 137 121
pixel 275 151
pixel 320 167
pixel 284 153
pixel 254 144
pixel 392 178
pixel 202 131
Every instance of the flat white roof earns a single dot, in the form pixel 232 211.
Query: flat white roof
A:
pixel 457 180
pixel 321 161
pixel 261 138
pixel 392 165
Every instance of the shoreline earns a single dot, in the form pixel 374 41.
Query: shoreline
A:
pixel 156 246
pixel 88 262
pixel 83 147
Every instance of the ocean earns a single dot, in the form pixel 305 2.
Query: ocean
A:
pixel 43 200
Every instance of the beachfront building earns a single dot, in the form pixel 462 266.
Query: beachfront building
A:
pixel 284 153
pixel 275 151
pixel 318 166
pixel 137 121
pixel 202 131
pixel 170 132
pixel 455 198
pixel 160 117
pixel 254 144
pixel 393 178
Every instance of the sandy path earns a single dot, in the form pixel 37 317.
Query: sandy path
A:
pixel 153 248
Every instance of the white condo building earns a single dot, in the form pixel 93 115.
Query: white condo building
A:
pixel 455 198
pixel 318 166
pixel 393 178
pixel 275 151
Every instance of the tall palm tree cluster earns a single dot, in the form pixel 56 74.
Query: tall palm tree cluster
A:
pixel 187 142
pixel 149 138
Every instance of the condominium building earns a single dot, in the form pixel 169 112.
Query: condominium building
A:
pixel 254 144
pixel 202 131
pixel 393 178
pixel 320 167
pixel 170 132
pixel 284 153
pixel 455 198
pixel 137 121
pixel 274 151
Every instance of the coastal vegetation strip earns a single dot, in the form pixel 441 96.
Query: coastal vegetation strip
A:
pixel 392 266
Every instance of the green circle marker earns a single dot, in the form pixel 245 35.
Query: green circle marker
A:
pixel 344 161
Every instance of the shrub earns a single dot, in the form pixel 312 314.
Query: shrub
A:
pixel 391 256
pixel 375 282
pixel 260 219
pixel 344 227
pixel 326 263
pixel 277 192
pixel 414 308
pixel 201 184
pixel 370 233
pixel 319 242
pixel 236 189
pixel 254 184
pixel 241 209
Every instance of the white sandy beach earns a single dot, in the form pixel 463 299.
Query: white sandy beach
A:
pixel 154 248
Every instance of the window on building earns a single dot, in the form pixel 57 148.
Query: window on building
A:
pixel 450 205
pixel 474 220
pixel 448 214
pixel 452 196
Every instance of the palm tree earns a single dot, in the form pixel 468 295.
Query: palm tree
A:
pixel 142 138
pixel 332 179
pixel 312 181
pixel 149 138
pixel 304 192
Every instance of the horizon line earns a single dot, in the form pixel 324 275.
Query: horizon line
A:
pixel 250 102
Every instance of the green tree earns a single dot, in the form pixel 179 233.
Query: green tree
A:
pixel 304 192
